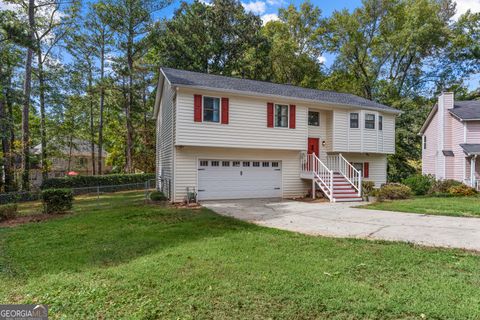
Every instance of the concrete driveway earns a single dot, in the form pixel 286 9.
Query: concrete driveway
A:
pixel 342 220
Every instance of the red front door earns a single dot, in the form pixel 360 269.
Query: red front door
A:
pixel 313 146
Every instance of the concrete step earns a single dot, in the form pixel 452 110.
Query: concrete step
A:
pixel 357 199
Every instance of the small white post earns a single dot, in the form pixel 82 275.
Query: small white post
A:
pixel 313 188
pixel 472 171
pixel 360 184
pixel 331 186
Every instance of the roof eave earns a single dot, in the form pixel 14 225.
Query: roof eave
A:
pixel 240 92
pixel 158 96
pixel 430 116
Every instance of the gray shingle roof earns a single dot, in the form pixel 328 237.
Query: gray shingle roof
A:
pixel 466 110
pixel 471 148
pixel 195 79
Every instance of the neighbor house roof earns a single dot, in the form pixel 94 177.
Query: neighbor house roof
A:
pixel 466 110
pixel 471 148
pixel 79 148
pixel 252 87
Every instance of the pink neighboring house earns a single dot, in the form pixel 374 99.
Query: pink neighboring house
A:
pixel 451 140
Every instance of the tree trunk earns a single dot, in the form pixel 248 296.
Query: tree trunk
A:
pixel 92 131
pixel 129 106
pixel 27 88
pixel 10 137
pixel 102 102
pixel 4 138
pixel 70 149
pixel 43 129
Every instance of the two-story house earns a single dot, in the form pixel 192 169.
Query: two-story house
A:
pixel 73 156
pixel 230 138
pixel 451 140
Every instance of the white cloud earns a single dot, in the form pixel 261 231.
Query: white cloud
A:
pixel 269 17
pixel 206 2
pixel 276 2
pixel 321 59
pixel 464 5
pixel 257 7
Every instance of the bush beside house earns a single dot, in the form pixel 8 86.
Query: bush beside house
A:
pixel 462 191
pixel 393 191
pixel 57 200
pixel 419 184
pixel 158 196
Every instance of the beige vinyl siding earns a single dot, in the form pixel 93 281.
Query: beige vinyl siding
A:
pixel 166 135
pixel 388 134
pixel 361 139
pixel 340 130
pixel 377 166
pixel 247 126
pixel 186 171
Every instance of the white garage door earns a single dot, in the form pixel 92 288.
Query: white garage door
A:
pixel 237 179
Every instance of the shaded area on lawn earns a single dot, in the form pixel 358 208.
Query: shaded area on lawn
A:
pixel 119 257
pixel 446 206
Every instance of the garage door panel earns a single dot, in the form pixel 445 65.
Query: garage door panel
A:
pixel 229 182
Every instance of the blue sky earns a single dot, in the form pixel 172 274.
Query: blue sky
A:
pixel 268 9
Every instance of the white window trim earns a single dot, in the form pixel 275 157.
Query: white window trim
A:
pixel 219 109
pixel 378 120
pixel 319 117
pixel 275 118
pixel 374 121
pixel 350 120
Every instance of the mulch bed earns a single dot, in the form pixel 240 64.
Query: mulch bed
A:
pixel 31 218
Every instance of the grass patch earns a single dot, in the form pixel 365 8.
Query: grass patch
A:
pixel 120 258
pixel 450 206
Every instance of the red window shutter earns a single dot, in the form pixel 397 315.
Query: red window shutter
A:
pixel 197 108
pixel 225 110
pixel 270 114
pixel 292 116
pixel 366 168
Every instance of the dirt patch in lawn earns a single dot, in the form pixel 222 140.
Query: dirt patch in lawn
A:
pixel 30 218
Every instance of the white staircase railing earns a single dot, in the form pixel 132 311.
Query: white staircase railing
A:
pixel 338 163
pixel 321 174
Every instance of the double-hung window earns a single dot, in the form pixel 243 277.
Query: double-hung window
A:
pixel 313 118
pixel 353 120
pixel 380 123
pixel 281 116
pixel 211 109
pixel 369 121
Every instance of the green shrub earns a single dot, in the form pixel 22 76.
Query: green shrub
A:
pixel 8 211
pixel 93 181
pixel 442 186
pixel 394 191
pixel 367 188
pixel 57 200
pixel 19 197
pixel 158 196
pixel 420 184
pixel 462 190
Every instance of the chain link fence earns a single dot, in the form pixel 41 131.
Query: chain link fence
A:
pixel 25 196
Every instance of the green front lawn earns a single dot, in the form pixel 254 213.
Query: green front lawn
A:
pixel 452 206
pixel 120 258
